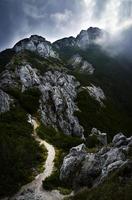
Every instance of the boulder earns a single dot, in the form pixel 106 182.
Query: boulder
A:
pixel 119 140
pixel 89 169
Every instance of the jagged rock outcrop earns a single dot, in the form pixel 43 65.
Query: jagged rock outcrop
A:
pixel 82 41
pixel 36 44
pixel 58 94
pixel 65 42
pixel 87 37
pixel 96 93
pixel 28 76
pixel 88 169
pixel 5 101
pixel 57 103
pixel 81 65
pixel 101 137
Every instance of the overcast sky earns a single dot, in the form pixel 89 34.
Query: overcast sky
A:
pixel 54 19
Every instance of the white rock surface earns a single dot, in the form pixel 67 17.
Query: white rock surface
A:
pixel 36 44
pixel 28 76
pixel 58 95
pixel 57 104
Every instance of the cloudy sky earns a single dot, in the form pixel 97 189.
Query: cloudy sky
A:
pixel 54 19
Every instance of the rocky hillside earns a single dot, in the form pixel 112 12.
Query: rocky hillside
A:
pixel 71 85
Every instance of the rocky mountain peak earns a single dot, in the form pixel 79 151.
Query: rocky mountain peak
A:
pixel 83 39
pixel 37 38
pixel 87 37
pixel 36 44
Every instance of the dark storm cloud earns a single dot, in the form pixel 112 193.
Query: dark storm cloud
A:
pixel 22 18
pixel 55 19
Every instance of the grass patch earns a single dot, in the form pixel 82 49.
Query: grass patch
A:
pixel 28 100
pixel 57 138
pixel 108 119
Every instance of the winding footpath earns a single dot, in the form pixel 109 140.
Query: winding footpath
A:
pixel 34 190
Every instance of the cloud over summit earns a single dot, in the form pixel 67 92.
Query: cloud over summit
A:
pixel 55 19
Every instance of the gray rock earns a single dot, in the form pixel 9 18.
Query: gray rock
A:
pixel 72 162
pixel 82 41
pixel 89 169
pixel 119 140
pixel 28 76
pixel 5 101
pixel 36 44
pixel 58 95
pixel 56 88
pixel 87 37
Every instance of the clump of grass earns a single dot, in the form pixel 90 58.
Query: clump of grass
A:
pixel 57 138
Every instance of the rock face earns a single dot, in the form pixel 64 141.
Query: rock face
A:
pixel 65 42
pixel 57 104
pixel 72 162
pixel 58 94
pixel 88 169
pixel 87 37
pixel 28 76
pixel 5 101
pixel 36 44
pixel 78 63
pixel 96 93
pixel 82 41
pixel 44 48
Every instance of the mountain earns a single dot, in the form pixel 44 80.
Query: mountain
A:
pixel 71 86
pixel 83 39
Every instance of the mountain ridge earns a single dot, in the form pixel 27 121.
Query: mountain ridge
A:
pixel 71 90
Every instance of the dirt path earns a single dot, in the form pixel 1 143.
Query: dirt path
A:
pixel 34 190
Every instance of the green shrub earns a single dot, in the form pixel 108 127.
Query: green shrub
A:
pixel 5 57
pixel 28 100
pixel 57 138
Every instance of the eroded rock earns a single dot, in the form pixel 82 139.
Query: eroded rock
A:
pixel 89 169
pixel 58 95
pixel 36 44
